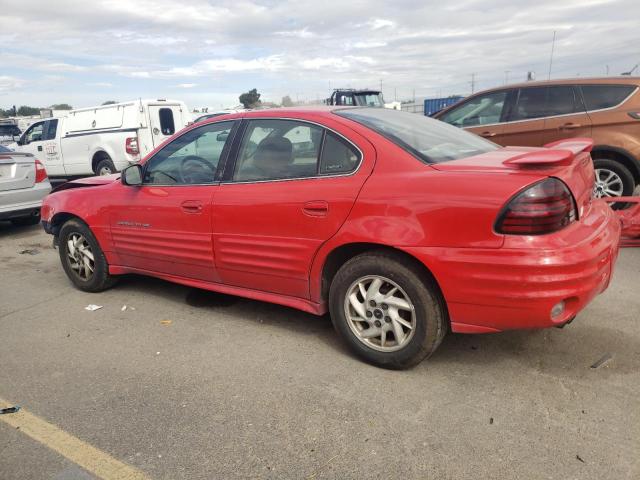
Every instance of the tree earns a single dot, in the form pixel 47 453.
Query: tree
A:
pixel 25 111
pixel 110 102
pixel 286 101
pixel 250 99
pixel 61 106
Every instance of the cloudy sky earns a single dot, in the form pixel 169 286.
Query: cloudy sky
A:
pixel 206 52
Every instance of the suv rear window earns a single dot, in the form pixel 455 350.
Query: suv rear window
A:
pixel 597 97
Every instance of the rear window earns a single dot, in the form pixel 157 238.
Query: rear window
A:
pixel 431 141
pixel 597 97
pixel 166 121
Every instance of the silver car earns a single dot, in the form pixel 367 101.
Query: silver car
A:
pixel 23 185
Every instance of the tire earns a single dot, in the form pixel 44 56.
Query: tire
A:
pixel 83 278
pixel 428 317
pixel 26 221
pixel 105 167
pixel 621 180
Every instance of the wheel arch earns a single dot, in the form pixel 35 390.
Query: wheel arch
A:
pixel 99 155
pixel 345 252
pixel 620 155
pixel 60 218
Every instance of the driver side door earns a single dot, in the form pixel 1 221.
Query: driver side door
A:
pixel 33 139
pixel 164 225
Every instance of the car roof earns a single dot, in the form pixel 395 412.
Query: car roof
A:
pixel 619 80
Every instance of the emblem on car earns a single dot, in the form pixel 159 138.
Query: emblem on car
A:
pixel 133 224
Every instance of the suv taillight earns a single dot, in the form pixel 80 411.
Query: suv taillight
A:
pixel 545 207
pixel 131 146
pixel 41 172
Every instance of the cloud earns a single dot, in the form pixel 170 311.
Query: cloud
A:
pixel 9 84
pixel 303 48
pixel 187 85
pixel 100 84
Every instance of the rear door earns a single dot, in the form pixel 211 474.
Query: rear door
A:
pixel 17 170
pixel 164 121
pixel 482 114
pixel 566 114
pixel 290 189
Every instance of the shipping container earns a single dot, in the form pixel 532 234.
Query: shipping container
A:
pixel 434 105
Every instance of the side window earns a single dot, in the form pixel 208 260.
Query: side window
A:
pixel 480 110
pixel 278 149
pixel 561 100
pixel 531 104
pixel 34 133
pixel 167 126
pixel 190 159
pixel 597 97
pixel 338 156
pixel 50 128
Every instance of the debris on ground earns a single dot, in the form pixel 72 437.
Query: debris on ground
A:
pixel 4 411
pixel 491 421
pixel 580 458
pixel 29 251
pixel 92 307
pixel 606 358
pixel 126 307
pixel 166 322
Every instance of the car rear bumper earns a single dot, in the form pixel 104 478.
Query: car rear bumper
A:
pixel 23 202
pixel 516 286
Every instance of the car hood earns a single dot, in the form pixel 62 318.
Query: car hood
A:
pixel 88 182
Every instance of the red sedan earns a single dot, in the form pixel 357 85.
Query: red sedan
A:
pixel 402 227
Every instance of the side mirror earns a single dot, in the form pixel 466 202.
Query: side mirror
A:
pixel 222 137
pixel 132 175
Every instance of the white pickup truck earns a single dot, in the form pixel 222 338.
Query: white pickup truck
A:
pixel 102 140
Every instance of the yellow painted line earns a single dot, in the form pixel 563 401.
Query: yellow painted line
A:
pixel 95 461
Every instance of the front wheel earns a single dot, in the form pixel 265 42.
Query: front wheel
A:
pixel 390 313
pixel 82 258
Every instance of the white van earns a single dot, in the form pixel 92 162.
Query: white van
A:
pixel 102 140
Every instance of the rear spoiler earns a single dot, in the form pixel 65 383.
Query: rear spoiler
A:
pixel 629 217
pixel 558 153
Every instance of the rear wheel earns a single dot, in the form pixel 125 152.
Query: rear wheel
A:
pixel 82 258
pixel 105 167
pixel 388 311
pixel 612 179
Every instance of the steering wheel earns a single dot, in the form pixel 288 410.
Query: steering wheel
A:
pixel 195 169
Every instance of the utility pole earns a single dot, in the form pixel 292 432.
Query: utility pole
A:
pixel 506 76
pixel 607 70
pixel 395 94
pixel 380 85
pixel 553 44
pixel 473 82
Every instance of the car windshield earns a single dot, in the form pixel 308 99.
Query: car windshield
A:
pixel 4 149
pixel 431 141
pixel 369 99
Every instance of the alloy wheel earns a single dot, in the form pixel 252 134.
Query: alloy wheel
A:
pixel 80 256
pixel 608 184
pixel 380 313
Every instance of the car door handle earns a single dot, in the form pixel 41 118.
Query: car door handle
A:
pixel 191 206
pixel 569 126
pixel 39 148
pixel 488 134
pixel 316 208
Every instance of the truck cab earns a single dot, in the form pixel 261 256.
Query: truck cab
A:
pixel 356 98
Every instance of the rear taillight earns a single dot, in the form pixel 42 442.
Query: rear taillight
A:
pixel 131 146
pixel 41 172
pixel 545 207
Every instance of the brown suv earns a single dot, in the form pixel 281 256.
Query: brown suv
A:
pixel 535 113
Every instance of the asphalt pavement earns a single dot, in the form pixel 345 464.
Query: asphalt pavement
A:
pixel 186 384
